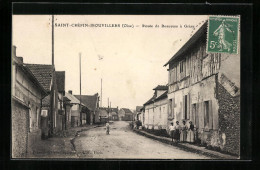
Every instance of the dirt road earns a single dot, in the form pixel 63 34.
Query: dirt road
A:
pixel 123 143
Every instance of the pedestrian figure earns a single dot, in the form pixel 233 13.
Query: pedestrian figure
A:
pixel 177 132
pixel 107 128
pixel 183 135
pixel 172 129
pixel 191 136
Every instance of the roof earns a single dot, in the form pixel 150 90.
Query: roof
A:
pixel 161 87
pixel 193 40
pixel 60 80
pixel 138 108
pixel 43 74
pixel 162 96
pixel 111 109
pixel 126 110
pixel 73 99
pixel 150 100
pixel 29 73
pixel 89 101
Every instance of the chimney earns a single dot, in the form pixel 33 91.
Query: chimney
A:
pixel 14 51
pixel 21 59
pixel 70 91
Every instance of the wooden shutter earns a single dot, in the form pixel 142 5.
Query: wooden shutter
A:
pixel 210 115
pixel 201 115
pixel 197 116
pixel 173 105
pixel 188 106
pixel 183 107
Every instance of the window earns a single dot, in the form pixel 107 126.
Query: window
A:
pixel 208 115
pixel 195 116
pixel 186 107
pixel 37 117
pixel 170 107
pixel 160 113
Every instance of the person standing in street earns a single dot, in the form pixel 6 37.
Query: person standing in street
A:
pixel 177 132
pixel 172 128
pixel 190 136
pixel 183 135
pixel 107 128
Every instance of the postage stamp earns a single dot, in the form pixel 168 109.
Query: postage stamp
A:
pixel 223 34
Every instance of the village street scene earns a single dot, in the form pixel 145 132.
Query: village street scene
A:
pixel 93 87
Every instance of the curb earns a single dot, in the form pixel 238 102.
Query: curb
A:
pixel 213 154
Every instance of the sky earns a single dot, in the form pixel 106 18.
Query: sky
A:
pixel 132 57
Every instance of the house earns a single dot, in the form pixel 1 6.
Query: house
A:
pixel 60 80
pixel 78 110
pixel 113 114
pixel 139 113
pixel 27 95
pixel 67 106
pixel 155 109
pixel 91 102
pixel 102 115
pixel 125 114
pixel 205 89
pixel 50 118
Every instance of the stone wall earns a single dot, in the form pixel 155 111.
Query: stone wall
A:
pixel 229 121
pixel 20 129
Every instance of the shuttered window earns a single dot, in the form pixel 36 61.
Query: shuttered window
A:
pixel 208 115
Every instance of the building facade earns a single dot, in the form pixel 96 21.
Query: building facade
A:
pixel 27 94
pixel 125 114
pixel 155 109
pixel 204 89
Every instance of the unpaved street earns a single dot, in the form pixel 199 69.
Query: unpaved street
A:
pixel 123 143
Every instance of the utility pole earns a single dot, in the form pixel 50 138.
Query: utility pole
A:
pixel 101 94
pixel 51 116
pixel 80 88
pixel 52 39
pixel 108 108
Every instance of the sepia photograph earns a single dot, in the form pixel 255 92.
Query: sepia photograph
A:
pixel 125 87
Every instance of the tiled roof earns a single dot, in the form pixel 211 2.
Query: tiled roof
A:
pixel 201 33
pixel 89 101
pixel 111 109
pixel 126 110
pixel 60 80
pixel 164 95
pixel 161 87
pixel 150 100
pixel 73 99
pixel 43 74
pixel 46 101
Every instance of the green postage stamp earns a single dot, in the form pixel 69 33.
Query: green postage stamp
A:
pixel 223 32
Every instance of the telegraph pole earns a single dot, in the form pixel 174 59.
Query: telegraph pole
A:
pixel 101 94
pixel 108 109
pixel 80 88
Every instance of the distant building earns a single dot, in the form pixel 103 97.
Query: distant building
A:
pixel 77 110
pixel 205 89
pixel 91 102
pixel 138 113
pixel 155 109
pixel 125 114
pixel 27 95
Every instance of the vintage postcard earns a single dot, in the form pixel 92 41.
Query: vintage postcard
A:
pixel 125 87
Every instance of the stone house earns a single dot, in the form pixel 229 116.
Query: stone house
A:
pixel 27 95
pixel 125 114
pixel 91 102
pixel 205 89
pixel 155 109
